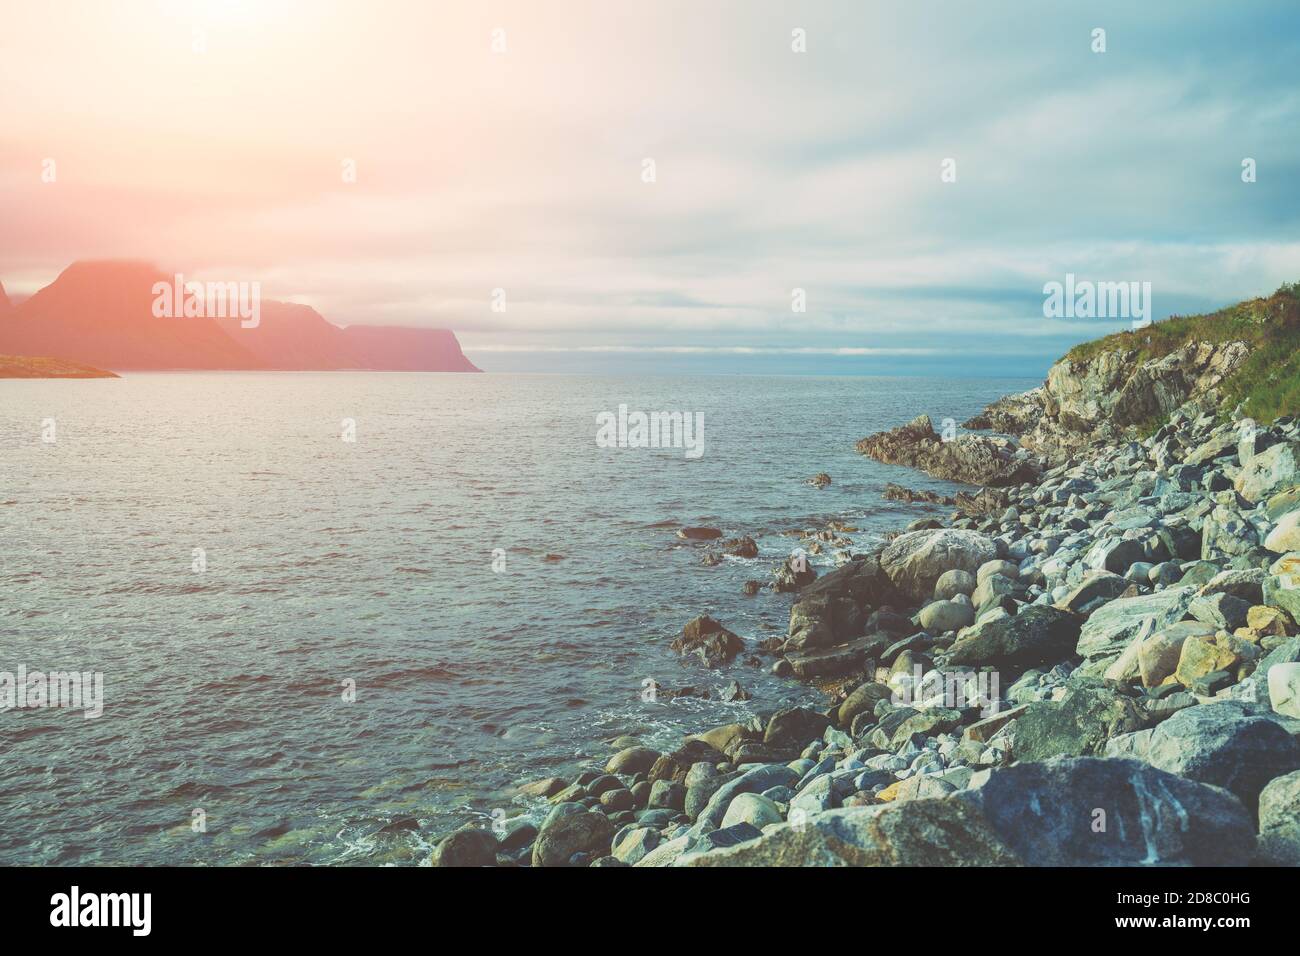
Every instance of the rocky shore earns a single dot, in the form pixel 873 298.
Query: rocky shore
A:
pixel 1093 660
pixel 1104 671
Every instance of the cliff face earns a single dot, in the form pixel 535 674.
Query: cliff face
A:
pixel 4 300
pixel 1244 359
pixel 1113 395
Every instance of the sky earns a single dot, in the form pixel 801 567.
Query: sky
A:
pixel 484 167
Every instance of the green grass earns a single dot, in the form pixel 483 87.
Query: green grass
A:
pixel 1268 383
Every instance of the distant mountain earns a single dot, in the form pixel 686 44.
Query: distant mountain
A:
pixel 4 300
pixel 406 349
pixel 291 336
pixel 102 314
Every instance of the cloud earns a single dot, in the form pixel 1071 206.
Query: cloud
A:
pixel 775 170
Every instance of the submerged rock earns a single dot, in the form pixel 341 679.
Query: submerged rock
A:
pixel 699 533
pixel 708 640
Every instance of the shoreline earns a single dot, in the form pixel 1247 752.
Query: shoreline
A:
pixel 1088 635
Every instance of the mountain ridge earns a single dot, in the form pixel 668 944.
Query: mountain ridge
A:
pixel 100 313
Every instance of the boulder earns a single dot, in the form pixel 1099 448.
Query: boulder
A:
pixel 733 835
pixel 1088 811
pixel 699 533
pixel 1114 554
pixel 742 547
pixel 794 727
pixel 635 845
pixel 467 847
pixel 667 795
pixel 632 760
pixel 840 659
pixel 561 837
pixel 718 740
pixel 1114 626
pixel 1158 654
pixel 831 609
pixel 863 699
pixel 898 726
pixel 546 787
pixel 1008 569
pixel 1227 534
pixel 915 561
pixel 930 832
pixel 1221 610
pixel 1286 536
pixel 1202 655
pixel 1225 745
pixel 1270 621
pixel 1255 689
pixel 1272 470
pixel 665 854
pixel 1245 584
pixel 1279 821
pixel 752 808
pixel 1079 724
pixel 954 582
pixel 1038 634
pixel 1284 689
pixel 793 573
pixel 750 781
pixel 991 588
pixel 817 796
pixel 940 616
pixel 1096 589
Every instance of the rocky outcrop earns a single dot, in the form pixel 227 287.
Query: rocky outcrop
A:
pixel 909 496
pixel 709 641
pixel 1111 396
pixel 973 459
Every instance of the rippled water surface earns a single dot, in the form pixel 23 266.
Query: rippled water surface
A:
pixel 330 562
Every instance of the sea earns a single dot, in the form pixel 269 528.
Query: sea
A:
pixel 334 616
